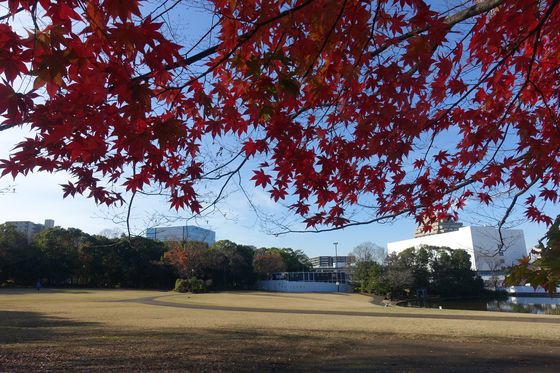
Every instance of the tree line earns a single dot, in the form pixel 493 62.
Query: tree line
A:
pixel 70 257
pixel 430 269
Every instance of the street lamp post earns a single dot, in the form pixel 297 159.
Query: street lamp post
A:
pixel 336 266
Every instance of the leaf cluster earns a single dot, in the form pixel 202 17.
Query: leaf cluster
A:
pixel 544 270
pixel 388 107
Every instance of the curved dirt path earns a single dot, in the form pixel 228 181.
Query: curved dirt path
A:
pixel 153 301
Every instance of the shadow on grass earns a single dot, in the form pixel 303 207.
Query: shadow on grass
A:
pixel 20 326
pixel 30 290
pixel 55 344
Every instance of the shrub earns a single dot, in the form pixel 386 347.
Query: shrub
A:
pixel 181 285
pixel 193 285
pixel 8 284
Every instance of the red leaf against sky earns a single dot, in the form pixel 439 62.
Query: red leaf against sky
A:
pixel 416 114
pixel 261 178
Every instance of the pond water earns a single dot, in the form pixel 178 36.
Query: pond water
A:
pixel 539 305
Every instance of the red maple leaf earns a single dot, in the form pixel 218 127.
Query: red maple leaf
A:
pixel 261 178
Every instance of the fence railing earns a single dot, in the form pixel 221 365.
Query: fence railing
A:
pixel 331 277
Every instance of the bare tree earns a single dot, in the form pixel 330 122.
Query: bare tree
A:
pixel 496 268
pixel 369 252
pixel 111 233
pixel 7 189
pixel 398 281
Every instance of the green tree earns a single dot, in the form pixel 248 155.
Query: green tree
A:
pixel 188 258
pixel 545 270
pixel 141 263
pixel 294 260
pixel 398 277
pixel 452 274
pixel 60 249
pixel 135 263
pixel 238 270
pixel 422 267
pixel 19 262
pixel 440 270
pixel 368 277
pixel 96 261
pixel 266 262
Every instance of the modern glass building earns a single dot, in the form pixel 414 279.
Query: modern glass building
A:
pixel 182 233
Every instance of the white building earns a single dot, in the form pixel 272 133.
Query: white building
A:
pixel 488 255
pixel 182 233
pixel 30 229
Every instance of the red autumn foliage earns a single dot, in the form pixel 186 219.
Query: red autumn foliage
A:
pixel 401 106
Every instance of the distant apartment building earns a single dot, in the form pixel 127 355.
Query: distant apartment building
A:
pixel 30 229
pixel 442 226
pixel 182 233
pixel 328 262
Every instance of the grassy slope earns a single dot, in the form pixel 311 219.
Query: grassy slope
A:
pixel 96 330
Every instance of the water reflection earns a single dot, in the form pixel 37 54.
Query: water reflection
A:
pixel 541 305
pixel 537 305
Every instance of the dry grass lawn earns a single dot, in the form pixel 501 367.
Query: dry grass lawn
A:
pixel 125 330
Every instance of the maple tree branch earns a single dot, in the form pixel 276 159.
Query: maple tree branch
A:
pixel 502 119
pixel 222 165
pixel 220 193
pixel 326 40
pixel 479 8
pixel 452 20
pixel 160 193
pixel 510 209
pixel 511 206
pixel 5 127
pixel 128 213
pixel 514 100
pixel 510 106
pixel 253 207
pixel 242 40
pixel 186 61
pixel 177 2
pixel 378 218
pixel 499 63
pixel 371 33
pixel 201 39
pixel 6 16
pixel 7 189
pixel 258 213
pixel 545 102
pixel 353 224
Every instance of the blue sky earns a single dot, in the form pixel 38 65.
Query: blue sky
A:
pixel 38 197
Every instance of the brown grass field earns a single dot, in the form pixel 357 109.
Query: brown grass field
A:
pixel 142 331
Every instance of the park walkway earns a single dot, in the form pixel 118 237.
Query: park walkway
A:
pixel 154 301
